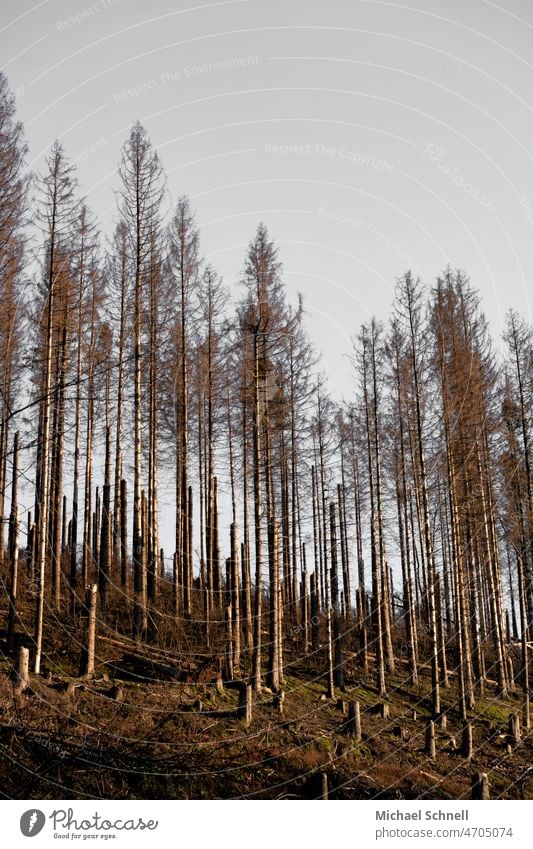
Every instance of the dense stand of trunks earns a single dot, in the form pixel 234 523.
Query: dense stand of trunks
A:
pixel 396 527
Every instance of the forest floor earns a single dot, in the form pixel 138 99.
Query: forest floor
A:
pixel 122 735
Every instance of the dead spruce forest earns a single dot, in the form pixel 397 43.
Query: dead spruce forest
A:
pixel 346 608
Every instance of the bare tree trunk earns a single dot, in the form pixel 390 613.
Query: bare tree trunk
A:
pixel 258 518
pixel 119 533
pixel 235 602
pixel 22 675
pixel 123 534
pixel 137 538
pixel 344 545
pixel 56 482
pixel 104 569
pixel 338 672
pixel 245 550
pixel 87 658
pixel 274 673
pixel 13 548
pixel 377 591
pixel 42 496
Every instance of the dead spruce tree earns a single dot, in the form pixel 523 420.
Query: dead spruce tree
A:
pixel 57 211
pixel 13 190
pixel 140 199
pixel 408 306
pixel 265 321
pixel 84 269
pixel 464 364
pixel 119 276
pixel 184 264
pixel 368 360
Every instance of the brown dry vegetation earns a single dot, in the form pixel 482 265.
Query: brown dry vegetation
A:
pixel 182 739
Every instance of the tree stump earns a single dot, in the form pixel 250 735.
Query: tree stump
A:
pixel 278 700
pixel 514 729
pixel 324 792
pixel 384 711
pixel 443 722
pixel 480 786
pixel 354 721
pixel 342 706
pixel 22 673
pixel 430 740
pixel 244 709
pixel 452 743
pixel 466 742
pixel 116 693
pixel 71 689
pixel 87 655
pixel 414 716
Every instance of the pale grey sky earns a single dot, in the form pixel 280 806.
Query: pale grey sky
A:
pixel 369 135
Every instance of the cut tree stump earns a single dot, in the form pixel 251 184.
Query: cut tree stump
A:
pixel 278 700
pixel 430 740
pixel 514 729
pixel 466 743
pixel 354 721
pixel 87 655
pixel 72 686
pixel 244 709
pixel 116 693
pixel 324 792
pixel 480 786
pixel 22 673
pixel 402 733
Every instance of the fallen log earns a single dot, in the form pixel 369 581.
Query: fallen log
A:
pixel 138 667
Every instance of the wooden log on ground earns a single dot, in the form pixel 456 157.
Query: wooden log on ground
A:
pixel 141 667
